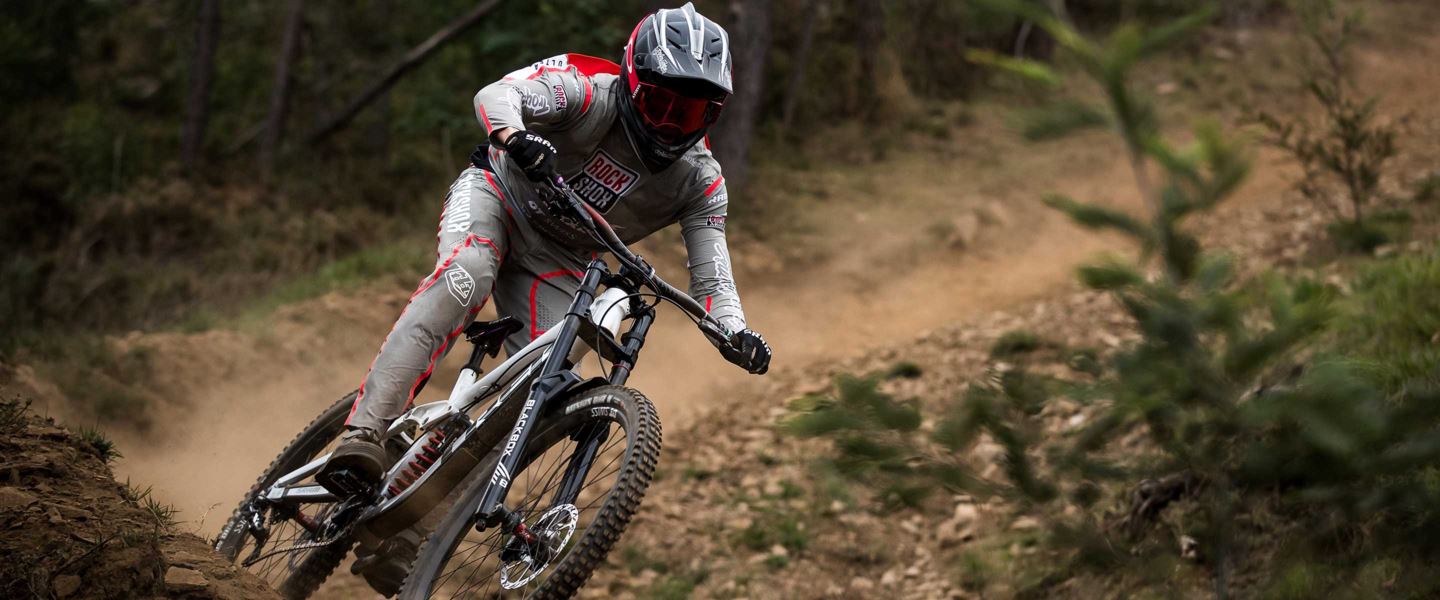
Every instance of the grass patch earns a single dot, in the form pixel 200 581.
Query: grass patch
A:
pixel 976 573
pixel 1085 360
pixel 143 498
pixel 95 376
pixel 1428 189
pixel 13 413
pixel 395 258
pixel 904 370
pixel 1058 120
pixel 635 560
pixel 103 446
pixel 679 586
pixel 1016 342
pixel 673 583
pixel 694 473
pixel 1391 321
pixel 775 528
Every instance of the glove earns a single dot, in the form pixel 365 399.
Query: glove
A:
pixel 748 351
pixel 534 154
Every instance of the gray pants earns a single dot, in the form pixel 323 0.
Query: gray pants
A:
pixel 483 250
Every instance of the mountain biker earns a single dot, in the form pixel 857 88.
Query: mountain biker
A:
pixel 630 139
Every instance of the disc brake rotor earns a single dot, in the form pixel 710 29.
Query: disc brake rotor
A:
pixel 554 529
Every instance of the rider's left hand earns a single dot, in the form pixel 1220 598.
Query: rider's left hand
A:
pixel 748 351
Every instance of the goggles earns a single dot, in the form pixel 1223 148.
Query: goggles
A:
pixel 671 116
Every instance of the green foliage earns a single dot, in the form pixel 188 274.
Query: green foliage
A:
pixel 163 515
pixel 99 232
pixel 1427 189
pixel 99 379
pixel 103 446
pixel 1347 444
pixel 102 231
pixel 875 436
pixel 775 528
pixel 1358 236
pixel 676 586
pixel 1030 70
pixel 1059 120
pixel 1017 342
pixel 1391 320
pixel 636 560
pixel 904 370
pixel 1349 147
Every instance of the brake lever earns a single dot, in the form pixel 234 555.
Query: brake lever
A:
pixel 713 332
pixel 558 186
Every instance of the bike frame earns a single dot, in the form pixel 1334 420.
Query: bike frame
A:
pixel 592 323
pixel 551 374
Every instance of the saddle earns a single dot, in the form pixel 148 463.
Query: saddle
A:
pixel 489 336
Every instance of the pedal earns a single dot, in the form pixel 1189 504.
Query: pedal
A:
pixel 344 482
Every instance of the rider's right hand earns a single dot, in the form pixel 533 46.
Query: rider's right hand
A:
pixel 534 154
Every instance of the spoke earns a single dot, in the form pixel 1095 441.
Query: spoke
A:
pixel 471 561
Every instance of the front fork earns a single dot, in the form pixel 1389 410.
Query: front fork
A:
pixel 555 379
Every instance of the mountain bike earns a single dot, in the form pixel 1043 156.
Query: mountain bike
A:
pixel 525 477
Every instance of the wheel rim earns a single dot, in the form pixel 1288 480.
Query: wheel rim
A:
pixel 475 569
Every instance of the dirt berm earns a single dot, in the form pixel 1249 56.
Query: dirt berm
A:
pixel 71 531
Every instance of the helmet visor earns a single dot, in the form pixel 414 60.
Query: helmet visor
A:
pixel 671 116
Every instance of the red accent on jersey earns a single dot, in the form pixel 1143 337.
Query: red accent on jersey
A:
pixel 484 118
pixel 589 94
pixel 535 330
pixel 591 66
pixel 719 180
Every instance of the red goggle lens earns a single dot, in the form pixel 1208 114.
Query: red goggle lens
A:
pixel 673 116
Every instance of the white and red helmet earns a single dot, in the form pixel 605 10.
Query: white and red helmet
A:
pixel 676 77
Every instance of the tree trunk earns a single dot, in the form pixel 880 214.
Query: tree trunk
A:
pixel 798 66
pixel 202 71
pixel 274 131
pixel 750 39
pixel 869 35
pixel 412 59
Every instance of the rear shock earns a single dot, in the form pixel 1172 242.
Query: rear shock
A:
pixel 424 454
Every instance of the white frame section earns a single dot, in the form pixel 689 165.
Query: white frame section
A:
pixel 607 312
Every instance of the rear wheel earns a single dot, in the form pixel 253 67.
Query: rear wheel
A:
pixel 575 534
pixel 295 574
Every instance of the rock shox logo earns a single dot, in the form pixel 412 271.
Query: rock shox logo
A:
pixel 604 181
pixel 557 91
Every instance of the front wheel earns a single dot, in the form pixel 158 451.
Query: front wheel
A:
pixel 577 519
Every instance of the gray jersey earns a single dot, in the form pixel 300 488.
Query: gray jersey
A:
pixel 573 101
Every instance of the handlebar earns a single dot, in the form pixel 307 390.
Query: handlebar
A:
pixel 605 234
